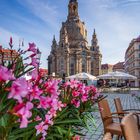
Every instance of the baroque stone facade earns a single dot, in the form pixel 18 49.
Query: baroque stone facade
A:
pixel 72 54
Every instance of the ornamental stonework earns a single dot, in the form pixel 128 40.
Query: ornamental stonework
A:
pixel 72 54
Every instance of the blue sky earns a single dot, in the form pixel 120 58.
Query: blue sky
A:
pixel 116 22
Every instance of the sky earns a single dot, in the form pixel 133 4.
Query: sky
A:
pixel 116 23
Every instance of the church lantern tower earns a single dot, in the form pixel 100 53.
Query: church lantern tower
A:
pixel 73 10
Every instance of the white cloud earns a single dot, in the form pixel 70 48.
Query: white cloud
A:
pixel 115 26
pixel 5 37
pixel 42 10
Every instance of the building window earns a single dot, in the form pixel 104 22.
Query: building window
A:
pixel 92 68
pixel 83 68
pixel 84 53
pixel 71 69
pixel 62 65
pixel 83 65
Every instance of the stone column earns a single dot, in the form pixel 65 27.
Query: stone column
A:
pixel 89 65
pixel 55 64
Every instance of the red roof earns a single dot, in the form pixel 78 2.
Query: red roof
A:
pixel 119 65
pixel 43 72
pixel 7 50
pixel 106 66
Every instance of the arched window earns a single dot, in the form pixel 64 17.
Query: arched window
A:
pixel 74 8
pixel 83 65
pixel 61 65
pixel 72 69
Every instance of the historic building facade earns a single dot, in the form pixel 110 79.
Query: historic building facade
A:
pixel 7 55
pixel 106 68
pixel 72 54
pixel 132 60
pixel 119 67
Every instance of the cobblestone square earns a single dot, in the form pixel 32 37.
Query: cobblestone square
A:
pixel 128 102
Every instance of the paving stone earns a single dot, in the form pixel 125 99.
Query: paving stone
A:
pixel 128 102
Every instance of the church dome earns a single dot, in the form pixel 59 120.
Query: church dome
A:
pixel 76 30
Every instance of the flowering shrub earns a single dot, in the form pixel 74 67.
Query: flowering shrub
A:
pixel 78 94
pixel 38 107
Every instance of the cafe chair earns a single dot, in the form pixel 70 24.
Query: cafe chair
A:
pixel 122 112
pixel 107 136
pixel 130 128
pixel 107 118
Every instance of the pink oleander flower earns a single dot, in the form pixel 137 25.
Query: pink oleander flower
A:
pixel 41 128
pixel 45 102
pixel 34 74
pixel 11 42
pixel 33 55
pixel 66 84
pixel 34 62
pixel 87 89
pixel 93 89
pixel 23 111
pixel 19 89
pixel 35 93
pixel 84 97
pixel 54 103
pixel 75 93
pixel 76 138
pixel 32 47
pixel 6 74
pixel 38 118
pixel 75 102
pixel 60 105
pixel 48 119
pixel 96 95
pixel 52 112
pixel 17 108
pixel 74 83
pixel 52 87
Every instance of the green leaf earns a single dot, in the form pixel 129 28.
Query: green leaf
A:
pixel 21 130
pixel 2 132
pixel 68 121
pixel 59 130
pixel 22 135
pixel 6 107
pixel 86 123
